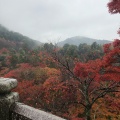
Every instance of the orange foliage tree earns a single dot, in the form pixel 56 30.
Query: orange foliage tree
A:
pixel 99 77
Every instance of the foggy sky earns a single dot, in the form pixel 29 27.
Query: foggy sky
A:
pixel 56 20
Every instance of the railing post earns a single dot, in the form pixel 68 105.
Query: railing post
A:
pixel 7 98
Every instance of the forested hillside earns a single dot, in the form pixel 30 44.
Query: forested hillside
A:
pixel 54 79
pixel 80 40
pixel 10 39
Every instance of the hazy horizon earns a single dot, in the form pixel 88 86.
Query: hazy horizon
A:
pixel 58 20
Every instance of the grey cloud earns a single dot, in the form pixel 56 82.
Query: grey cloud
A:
pixel 51 19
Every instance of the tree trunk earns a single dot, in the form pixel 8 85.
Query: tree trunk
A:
pixel 88 104
pixel 88 115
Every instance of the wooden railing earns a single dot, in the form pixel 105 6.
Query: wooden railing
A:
pixel 11 109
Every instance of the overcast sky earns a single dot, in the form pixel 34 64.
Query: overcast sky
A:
pixel 56 20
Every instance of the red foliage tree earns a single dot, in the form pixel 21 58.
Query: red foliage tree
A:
pixel 119 31
pixel 99 77
pixel 59 95
pixel 114 6
pixel 29 93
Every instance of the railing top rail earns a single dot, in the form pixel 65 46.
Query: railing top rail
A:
pixel 32 113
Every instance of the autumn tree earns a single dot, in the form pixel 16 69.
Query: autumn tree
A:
pixel 97 78
pixel 100 77
pixel 114 6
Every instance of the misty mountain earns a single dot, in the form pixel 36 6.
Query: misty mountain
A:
pixel 79 39
pixel 10 39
